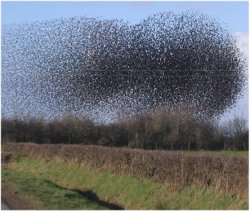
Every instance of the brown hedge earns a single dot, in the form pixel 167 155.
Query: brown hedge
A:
pixel 177 169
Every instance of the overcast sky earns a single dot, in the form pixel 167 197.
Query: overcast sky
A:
pixel 233 14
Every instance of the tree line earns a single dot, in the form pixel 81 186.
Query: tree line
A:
pixel 159 129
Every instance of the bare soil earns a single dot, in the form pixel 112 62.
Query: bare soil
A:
pixel 13 200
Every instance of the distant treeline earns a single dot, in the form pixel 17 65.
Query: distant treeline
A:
pixel 160 129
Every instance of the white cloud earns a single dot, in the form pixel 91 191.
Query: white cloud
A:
pixel 242 106
pixel 242 42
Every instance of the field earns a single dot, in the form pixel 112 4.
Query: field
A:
pixel 227 153
pixel 54 185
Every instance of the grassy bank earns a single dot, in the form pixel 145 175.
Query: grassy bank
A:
pixel 40 193
pixel 62 185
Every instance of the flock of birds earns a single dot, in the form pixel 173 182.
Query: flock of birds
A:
pixel 108 68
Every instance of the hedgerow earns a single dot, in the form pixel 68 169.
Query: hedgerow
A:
pixel 176 169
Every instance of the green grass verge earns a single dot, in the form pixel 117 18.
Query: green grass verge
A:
pixel 223 153
pixel 43 194
pixel 125 191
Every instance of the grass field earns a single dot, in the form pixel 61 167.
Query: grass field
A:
pixel 43 194
pixel 55 185
pixel 222 153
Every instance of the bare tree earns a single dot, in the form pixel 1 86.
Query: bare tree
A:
pixel 235 131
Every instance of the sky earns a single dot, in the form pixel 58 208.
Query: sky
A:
pixel 234 15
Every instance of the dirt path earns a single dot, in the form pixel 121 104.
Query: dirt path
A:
pixel 4 206
pixel 11 200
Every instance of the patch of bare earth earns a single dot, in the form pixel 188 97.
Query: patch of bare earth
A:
pixel 13 199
